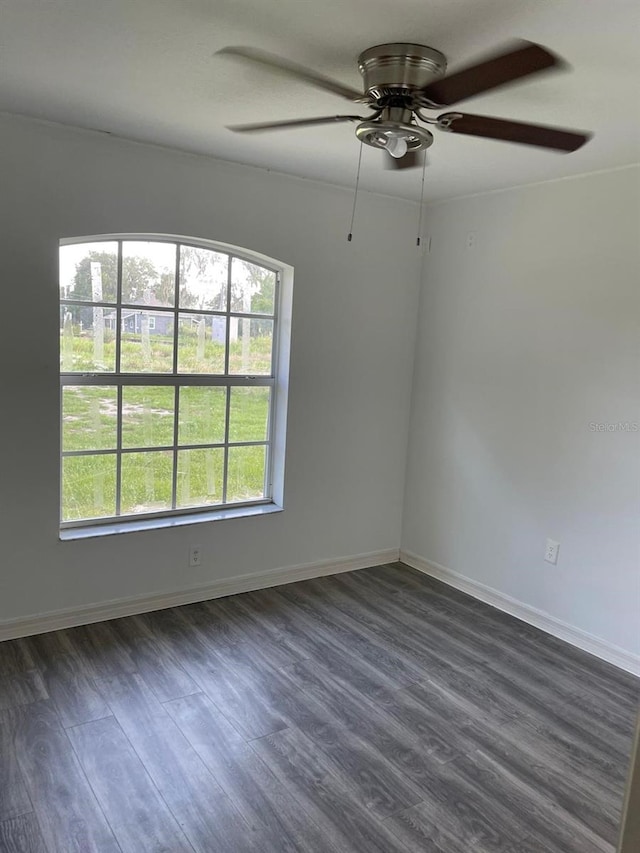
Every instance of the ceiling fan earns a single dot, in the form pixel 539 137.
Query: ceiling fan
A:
pixel 401 80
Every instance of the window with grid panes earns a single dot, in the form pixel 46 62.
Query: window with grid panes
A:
pixel 167 378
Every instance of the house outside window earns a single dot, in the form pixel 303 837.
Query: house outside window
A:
pixel 172 378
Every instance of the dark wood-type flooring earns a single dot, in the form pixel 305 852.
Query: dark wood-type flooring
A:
pixel 377 711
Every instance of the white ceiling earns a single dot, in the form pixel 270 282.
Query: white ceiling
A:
pixel 145 69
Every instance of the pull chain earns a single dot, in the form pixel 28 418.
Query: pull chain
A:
pixel 424 169
pixel 355 196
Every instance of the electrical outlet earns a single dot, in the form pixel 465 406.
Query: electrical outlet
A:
pixel 195 555
pixel 472 239
pixel 551 551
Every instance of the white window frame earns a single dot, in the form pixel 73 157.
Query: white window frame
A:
pixel 152 320
pixel 278 381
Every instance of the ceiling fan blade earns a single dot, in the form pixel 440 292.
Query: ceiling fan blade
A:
pixel 282 125
pixel 411 160
pixel 513 131
pixel 497 70
pixel 292 69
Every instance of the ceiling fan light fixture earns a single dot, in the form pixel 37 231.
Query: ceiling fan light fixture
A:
pixel 396 146
pixel 396 138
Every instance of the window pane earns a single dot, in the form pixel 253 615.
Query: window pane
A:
pixel 253 288
pixel 146 481
pixel 202 415
pixel 147 416
pixel 200 477
pixel 89 417
pixel 145 349
pixel 148 273
pixel 250 346
pixel 249 414
pixel 201 343
pixel 88 486
pixel 87 339
pixel 203 279
pixel 245 478
pixel 89 271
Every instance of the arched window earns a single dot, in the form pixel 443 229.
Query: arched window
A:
pixel 168 371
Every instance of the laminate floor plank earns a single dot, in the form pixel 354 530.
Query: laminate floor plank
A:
pixel 371 777
pixel 403 582
pixel 311 642
pixel 432 830
pixel 21 688
pixel 154 661
pixel 504 725
pixel 406 746
pixel 542 664
pixel 623 687
pixel 226 610
pixel 218 671
pixel 575 822
pixel 351 635
pixel 492 644
pixel 262 617
pixel 15 657
pixel 263 801
pixel 43 648
pixel 434 596
pixel 518 749
pixel 98 647
pixel 574 746
pixel 21 835
pixel 430 640
pixel 205 812
pixel 605 772
pixel 315 641
pixel 601 714
pixel 565 716
pixel 133 806
pixel 14 799
pixel 429 608
pixel 421 771
pixel 376 711
pixel 205 663
pixel 482 810
pixel 298 765
pixel 276 618
pixel 67 810
pixel 72 690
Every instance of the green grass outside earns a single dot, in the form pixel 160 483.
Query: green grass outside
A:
pixel 90 421
pixel 77 354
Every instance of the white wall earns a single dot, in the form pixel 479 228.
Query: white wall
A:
pixel 523 342
pixel 352 351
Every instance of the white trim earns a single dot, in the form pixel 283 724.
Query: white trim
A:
pixel 550 624
pixel 133 524
pixel 69 618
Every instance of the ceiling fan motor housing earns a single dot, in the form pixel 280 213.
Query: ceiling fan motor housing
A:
pixel 399 68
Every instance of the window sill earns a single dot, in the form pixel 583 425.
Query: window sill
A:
pixel 137 524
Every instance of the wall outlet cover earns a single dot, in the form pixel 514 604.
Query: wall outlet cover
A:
pixel 551 551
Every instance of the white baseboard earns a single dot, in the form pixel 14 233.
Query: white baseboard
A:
pixel 69 618
pixel 538 618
